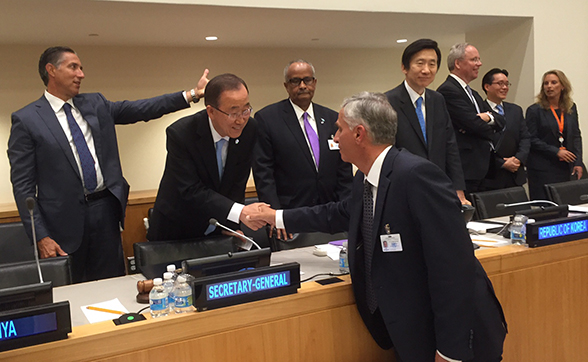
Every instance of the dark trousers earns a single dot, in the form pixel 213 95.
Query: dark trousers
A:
pixel 100 254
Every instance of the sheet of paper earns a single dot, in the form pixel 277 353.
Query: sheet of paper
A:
pixel 576 208
pixel 332 250
pixel 491 242
pixel 95 316
pixel 482 226
pixel 337 242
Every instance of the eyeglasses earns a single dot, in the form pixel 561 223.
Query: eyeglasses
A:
pixel 234 116
pixel 503 84
pixel 296 81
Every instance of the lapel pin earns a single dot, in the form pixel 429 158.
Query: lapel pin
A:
pixel 322 121
pixel 387 228
pixel 237 141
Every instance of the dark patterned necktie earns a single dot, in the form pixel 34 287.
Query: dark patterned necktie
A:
pixel 86 160
pixel 366 229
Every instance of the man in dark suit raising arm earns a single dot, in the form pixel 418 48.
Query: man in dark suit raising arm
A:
pixel 514 142
pixel 63 152
pixel 417 284
pixel 424 126
pixel 296 163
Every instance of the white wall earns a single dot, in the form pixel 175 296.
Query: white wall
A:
pixel 553 37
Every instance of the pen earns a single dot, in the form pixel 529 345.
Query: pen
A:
pixel 104 310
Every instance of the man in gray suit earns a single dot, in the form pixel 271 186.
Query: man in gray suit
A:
pixel 63 152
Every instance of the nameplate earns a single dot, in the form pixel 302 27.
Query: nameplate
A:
pixel 34 325
pixel 556 231
pixel 245 286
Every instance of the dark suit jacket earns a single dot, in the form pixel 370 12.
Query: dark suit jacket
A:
pixel 190 192
pixel 283 168
pixel 441 147
pixel 471 132
pixel 43 164
pixel 515 141
pixel 545 138
pixel 434 294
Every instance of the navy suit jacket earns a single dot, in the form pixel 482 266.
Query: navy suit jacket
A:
pixel 43 164
pixel 471 132
pixel 432 295
pixel 515 141
pixel 190 192
pixel 284 170
pixel 545 138
pixel 441 147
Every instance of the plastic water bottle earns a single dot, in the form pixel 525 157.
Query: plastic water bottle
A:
pixel 168 286
pixel 518 230
pixel 172 269
pixel 158 302
pixel 183 295
pixel 344 259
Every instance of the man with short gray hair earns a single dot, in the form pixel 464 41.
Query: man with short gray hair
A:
pixel 296 162
pixel 473 121
pixel 417 284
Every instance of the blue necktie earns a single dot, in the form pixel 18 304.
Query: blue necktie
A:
pixel 419 112
pixel 472 98
pixel 219 164
pixel 219 157
pixel 500 109
pixel 86 159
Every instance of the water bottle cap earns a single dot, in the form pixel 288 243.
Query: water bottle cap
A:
pixel 168 275
pixel 171 268
pixel 181 279
pixel 157 281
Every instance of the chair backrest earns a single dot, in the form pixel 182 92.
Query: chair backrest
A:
pixel 151 253
pixel 15 244
pixel 56 270
pixel 569 192
pixel 485 202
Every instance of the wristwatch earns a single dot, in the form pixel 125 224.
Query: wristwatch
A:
pixel 195 98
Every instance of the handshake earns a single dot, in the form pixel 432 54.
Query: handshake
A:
pixel 259 214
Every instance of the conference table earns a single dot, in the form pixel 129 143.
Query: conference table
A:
pixel 543 291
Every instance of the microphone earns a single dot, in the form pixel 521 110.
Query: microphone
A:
pixel 31 207
pixel 247 246
pixel 503 206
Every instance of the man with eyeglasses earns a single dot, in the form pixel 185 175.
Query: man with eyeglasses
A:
pixel 514 142
pixel 474 123
pixel 296 162
pixel 207 166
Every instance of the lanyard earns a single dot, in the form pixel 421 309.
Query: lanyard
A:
pixel 560 123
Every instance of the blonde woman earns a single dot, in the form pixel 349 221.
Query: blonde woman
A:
pixel 556 143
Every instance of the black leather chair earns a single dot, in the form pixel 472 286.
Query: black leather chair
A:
pixel 485 202
pixel 151 257
pixel 15 245
pixel 569 193
pixel 56 270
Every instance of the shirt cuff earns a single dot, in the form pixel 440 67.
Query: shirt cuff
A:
pixel 185 94
pixel 235 212
pixel 447 358
pixel 280 219
pixel 491 122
